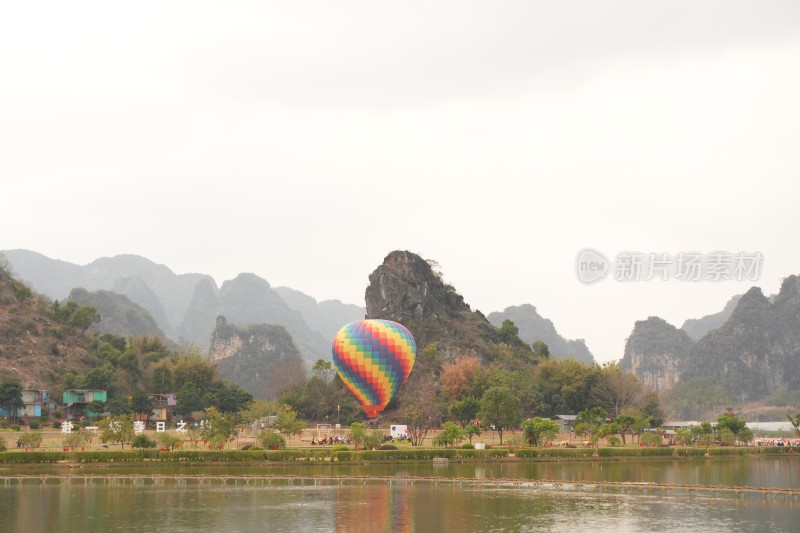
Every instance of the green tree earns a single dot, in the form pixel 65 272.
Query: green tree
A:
pixel 500 408
pixel 684 436
pixel 562 386
pixel 287 422
pixel 141 403
pixel 11 396
pixel 726 436
pixel 540 348
pixel 539 430
pixel 746 435
pixel 650 438
pixel 509 332
pixel 616 390
pixel 729 420
pixel 75 439
pixel 228 397
pixel 83 318
pixel 589 422
pixel 143 442
pixel 324 370
pixel 217 427
pixel 272 440
pixel 703 433
pixel 465 410
pixel 422 408
pixel 96 408
pixel 358 434
pixel 117 429
pixel 450 434
pixel 471 431
pixel 189 399
pixel 373 440
pixel 631 422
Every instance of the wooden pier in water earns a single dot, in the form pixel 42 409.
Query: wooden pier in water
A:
pixel 538 485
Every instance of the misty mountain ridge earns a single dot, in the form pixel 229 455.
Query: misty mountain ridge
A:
pixel 753 354
pixel 533 327
pixel 185 306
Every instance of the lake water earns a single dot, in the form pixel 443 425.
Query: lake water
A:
pixel 162 503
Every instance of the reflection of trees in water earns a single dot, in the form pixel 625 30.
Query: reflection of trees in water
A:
pixel 375 507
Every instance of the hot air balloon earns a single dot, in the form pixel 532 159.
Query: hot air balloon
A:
pixel 373 358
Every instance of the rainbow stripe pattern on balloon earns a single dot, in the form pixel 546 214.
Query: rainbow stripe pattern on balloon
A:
pixel 373 358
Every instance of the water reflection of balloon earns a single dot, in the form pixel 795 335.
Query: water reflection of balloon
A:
pixel 373 358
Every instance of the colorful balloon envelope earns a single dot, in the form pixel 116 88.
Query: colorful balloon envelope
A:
pixel 373 358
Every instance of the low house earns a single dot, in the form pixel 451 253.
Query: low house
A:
pixel 32 400
pixel 163 405
pixel 567 422
pixel 75 400
pixel 680 424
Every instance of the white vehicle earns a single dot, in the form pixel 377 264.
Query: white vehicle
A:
pixel 398 431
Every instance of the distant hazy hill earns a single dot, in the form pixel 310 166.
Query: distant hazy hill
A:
pixel 118 314
pixel 327 317
pixel 136 277
pixel 247 300
pixel 185 306
pixel 533 327
pixel 754 353
pixel 697 328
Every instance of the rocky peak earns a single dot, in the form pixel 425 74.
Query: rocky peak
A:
pixel 405 288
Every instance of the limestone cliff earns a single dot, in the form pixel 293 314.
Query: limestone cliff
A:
pixel 248 299
pixel 754 353
pixel 757 351
pixel 262 359
pixel 656 352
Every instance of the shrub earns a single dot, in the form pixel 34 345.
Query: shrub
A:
pixel 143 442
pixel 169 440
pixel 339 448
pixel 614 441
pixel 271 440
pixel 467 446
pixel 30 439
pixel 3 446
pixel 387 447
pixel 15 427
pixel 34 424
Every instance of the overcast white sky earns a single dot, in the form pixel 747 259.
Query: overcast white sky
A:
pixel 303 141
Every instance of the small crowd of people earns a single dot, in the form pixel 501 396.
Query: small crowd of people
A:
pixel 776 442
pixel 338 439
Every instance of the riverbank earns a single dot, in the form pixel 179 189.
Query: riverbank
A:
pixel 304 455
